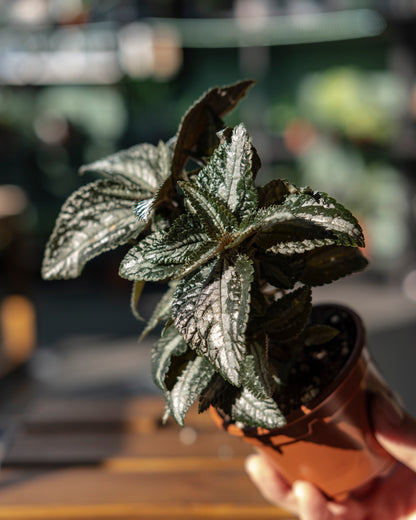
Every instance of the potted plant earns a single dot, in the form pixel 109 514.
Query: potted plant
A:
pixel 240 334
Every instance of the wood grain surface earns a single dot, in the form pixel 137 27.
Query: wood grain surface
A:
pixel 99 459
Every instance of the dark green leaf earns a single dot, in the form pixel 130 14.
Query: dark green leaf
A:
pixel 208 139
pixel 259 302
pixel 135 297
pixel 324 265
pixel 274 192
pixel 165 193
pixel 96 218
pixel 281 271
pixel 218 393
pixel 160 313
pixel 320 334
pixel 286 318
pixel 210 310
pixel 216 102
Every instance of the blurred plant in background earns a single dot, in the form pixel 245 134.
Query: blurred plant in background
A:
pixel 80 79
pixel 363 106
pixel 341 130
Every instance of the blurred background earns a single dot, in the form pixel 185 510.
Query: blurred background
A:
pixel 334 107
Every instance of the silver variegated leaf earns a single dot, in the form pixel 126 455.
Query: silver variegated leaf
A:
pixel 143 209
pixel 258 222
pixel 159 223
pixel 279 231
pixel 135 266
pixel 143 165
pixel 229 174
pixel 169 254
pixel 185 236
pixel 216 218
pixel 96 218
pixel 299 246
pixel 304 222
pixel 253 411
pixel 211 308
pixel 169 345
pixel 189 385
pixel 327 213
pixel 204 254
pixel 256 375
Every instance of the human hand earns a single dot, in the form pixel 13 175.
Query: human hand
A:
pixel 392 497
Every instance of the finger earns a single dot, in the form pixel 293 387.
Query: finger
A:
pixel 395 430
pixel 350 509
pixel 312 504
pixel 270 483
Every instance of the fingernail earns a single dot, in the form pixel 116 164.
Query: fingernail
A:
pixel 298 490
pixel 336 508
pixel 251 464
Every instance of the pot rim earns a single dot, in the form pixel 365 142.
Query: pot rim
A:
pixel 357 349
pixel 321 400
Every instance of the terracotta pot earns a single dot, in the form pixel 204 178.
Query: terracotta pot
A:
pixel 330 442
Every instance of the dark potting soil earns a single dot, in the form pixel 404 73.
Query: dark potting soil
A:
pixel 319 364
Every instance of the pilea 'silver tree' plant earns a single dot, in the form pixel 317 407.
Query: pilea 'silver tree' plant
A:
pixel 239 260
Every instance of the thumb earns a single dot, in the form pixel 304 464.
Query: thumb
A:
pixel 395 430
pixel 312 504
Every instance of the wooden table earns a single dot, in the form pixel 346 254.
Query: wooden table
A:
pixel 99 459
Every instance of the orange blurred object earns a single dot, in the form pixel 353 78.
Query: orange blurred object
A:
pixel 299 135
pixel 17 332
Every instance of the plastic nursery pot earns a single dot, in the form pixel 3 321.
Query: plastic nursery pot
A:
pixel 330 442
